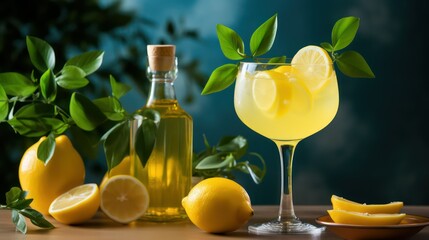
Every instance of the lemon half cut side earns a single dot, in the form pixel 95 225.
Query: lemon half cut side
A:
pixel 77 205
pixel 357 218
pixel 124 198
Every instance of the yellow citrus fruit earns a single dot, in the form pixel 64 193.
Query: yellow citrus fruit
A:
pixel 123 168
pixel 271 92
pixel 124 198
pixel 346 217
pixel 43 182
pixel 314 65
pixel 218 205
pixel 339 203
pixel 77 205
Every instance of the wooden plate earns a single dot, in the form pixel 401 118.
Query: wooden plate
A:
pixel 409 226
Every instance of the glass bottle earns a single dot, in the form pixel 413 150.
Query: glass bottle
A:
pixel 168 171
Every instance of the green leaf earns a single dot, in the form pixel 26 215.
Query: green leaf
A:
pixel 14 194
pixel 89 62
pixel 46 149
pixel 16 84
pixel 72 77
pixel 221 78
pixel 230 42
pixel 146 134
pixel 85 113
pixel 344 31
pixel 116 144
pixel 118 89
pixel 37 119
pixel 37 127
pixel 352 64
pixel 4 104
pixel 216 161
pixel 19 221
pixel 281 59
pixel 35 110
pixel 48 87
pixel 263 37
pixel 236 145
pixel 111 107
pixel 41 53
pixel 327 46
pixel 36 218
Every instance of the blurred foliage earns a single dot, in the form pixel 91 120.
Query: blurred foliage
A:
pixel 72 27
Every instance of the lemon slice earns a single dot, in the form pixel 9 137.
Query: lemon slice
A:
pixel 314 64
pixel 346 217
pixel 272 91
pixel 339 203
pixel 76 205
pixel 264 90
pixel 124 198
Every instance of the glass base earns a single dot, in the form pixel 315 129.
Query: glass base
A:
pixel 286 227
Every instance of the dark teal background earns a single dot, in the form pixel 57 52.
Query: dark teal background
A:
pixel 376 148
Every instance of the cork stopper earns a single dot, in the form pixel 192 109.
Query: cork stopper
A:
pixel 161 57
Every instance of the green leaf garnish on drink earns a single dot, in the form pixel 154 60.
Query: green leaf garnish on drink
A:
pixel 350 63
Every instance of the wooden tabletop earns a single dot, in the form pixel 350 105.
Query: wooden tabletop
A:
pixel 100 227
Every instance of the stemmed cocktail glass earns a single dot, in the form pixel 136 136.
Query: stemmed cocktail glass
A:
pixel 286 102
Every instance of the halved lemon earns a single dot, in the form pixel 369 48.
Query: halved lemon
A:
pixel 346 217
pixel 339 203
pixel 124 198
pixel 76 205
pixel 314 65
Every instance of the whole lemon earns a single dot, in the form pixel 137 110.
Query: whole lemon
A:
pixel 64 171
pixel 218 205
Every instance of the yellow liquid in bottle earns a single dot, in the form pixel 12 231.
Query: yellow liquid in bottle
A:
pixel 168 172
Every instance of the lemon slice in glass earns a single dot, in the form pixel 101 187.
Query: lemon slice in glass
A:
pixel 346 217
pixel 271 92
pixel 314 65
pixel 76 205
pixel 124 198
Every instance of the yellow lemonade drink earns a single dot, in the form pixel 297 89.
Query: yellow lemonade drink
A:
pixel 286 101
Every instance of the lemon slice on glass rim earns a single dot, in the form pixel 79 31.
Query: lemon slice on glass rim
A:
pixel 314 65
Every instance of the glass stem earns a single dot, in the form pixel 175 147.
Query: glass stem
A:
pixel 286 210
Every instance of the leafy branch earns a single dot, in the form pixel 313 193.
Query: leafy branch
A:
pixel 350 63
pixel 30 106
pixel 20 206
pixel 225 157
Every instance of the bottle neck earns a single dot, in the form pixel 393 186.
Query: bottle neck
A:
pixel 161 90
pixel 162 87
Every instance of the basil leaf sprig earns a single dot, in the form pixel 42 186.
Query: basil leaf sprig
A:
pixel 232 47
pixel 29 104
pixel 350 63
pixel 20 206
pixel 224 158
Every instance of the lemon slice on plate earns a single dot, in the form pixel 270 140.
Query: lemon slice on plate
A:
pixel 357 218
pixel 76 205
pixel 124 198
pixel 314 65
pixel 339 203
